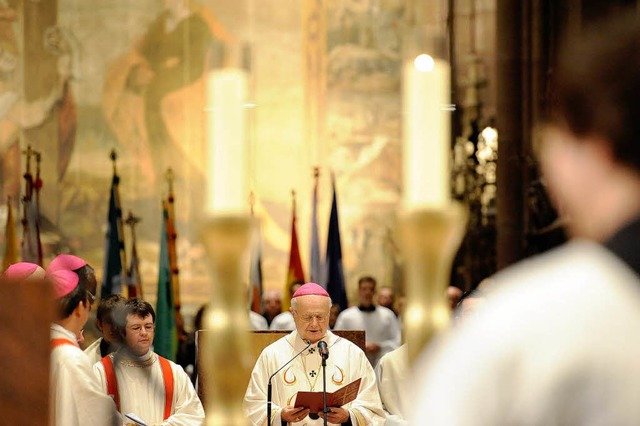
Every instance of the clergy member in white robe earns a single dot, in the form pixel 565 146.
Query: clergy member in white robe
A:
pixel 345 364
pixel 75 395
pixel 283 321
pixel 393 374
pixel 110 341
pixel 257 321
pixel 381 326
pixel 139 380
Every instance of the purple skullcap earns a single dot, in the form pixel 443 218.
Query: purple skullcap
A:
pixel 23 271
pixel 60 272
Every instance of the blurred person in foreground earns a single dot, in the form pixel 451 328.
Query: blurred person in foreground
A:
pixel 310 307
pixel 74 393
pixel 556 342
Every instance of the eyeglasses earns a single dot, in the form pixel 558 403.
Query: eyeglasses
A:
pixel 92 298
pixel 138 328
pixel 310 318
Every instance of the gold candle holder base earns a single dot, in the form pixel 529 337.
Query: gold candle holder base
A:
pixel 429 242
pixel 226 344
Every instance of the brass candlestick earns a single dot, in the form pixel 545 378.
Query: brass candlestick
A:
pixel 226 344
pixel 429 241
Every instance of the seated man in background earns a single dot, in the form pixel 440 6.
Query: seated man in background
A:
pixel 141 382
pixel 110 340
pixel 284 321
pixel 383 332
pixel 310 309
pixel 75 395
pixel 271 305
pixel 387 298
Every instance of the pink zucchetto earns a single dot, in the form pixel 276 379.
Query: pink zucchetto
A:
pixel 60 272
pixel 311 289
pixel 22 271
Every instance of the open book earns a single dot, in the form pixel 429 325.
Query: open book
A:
pixel 313 400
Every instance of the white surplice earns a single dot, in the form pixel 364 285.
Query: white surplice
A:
pixel 345 364
pixel 283 321
pixel 556 343
pixel 381 326
pixel 93 351
pixel 393 378
pixel 75 395
pixel 142 391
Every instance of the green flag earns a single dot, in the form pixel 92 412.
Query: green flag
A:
pixel 165 342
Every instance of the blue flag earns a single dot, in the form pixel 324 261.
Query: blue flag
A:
pixel 333 261
pixel 112 277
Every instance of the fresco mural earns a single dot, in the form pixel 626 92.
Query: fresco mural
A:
pixel 129 75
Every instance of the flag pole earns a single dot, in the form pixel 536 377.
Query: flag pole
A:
pixel 132 221
pixel 172 237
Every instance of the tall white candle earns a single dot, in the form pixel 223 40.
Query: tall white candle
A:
pixel 426 133
pixel 226 138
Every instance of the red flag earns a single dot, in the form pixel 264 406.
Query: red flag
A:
pixel 295 271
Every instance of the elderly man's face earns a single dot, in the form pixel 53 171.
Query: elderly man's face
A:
pixel 312 317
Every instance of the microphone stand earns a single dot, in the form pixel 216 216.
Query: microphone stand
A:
pixel 324 390
pixel 273 375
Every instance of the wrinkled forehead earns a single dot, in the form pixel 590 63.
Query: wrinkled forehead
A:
pixel 313 304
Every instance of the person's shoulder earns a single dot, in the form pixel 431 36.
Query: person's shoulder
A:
pixel 349 312
pixel 70 356
pixel 571 268
pixel 386 312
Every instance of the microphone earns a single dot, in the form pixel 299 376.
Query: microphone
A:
pixel 274 374
pixel 323 349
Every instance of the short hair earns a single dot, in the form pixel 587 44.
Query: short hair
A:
pixel 81 293
pixel 367 278
pixel 107 306
pixel 598 86
pixel 135 306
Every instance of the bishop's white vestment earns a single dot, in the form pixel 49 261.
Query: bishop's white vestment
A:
pixel 345 364
pixel 556 343
pixel 75 395
pixel 141 389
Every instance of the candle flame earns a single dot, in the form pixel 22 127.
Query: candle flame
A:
pixel 424 63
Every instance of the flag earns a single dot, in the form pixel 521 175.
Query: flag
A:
pixel 114 273
pixel 134 280
pixel 10 239
pixel 172 236
pixel 165 342
pixel 315 267
pixel 295 272
pixel 333 259
pixel 31 246
pixel 255 271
